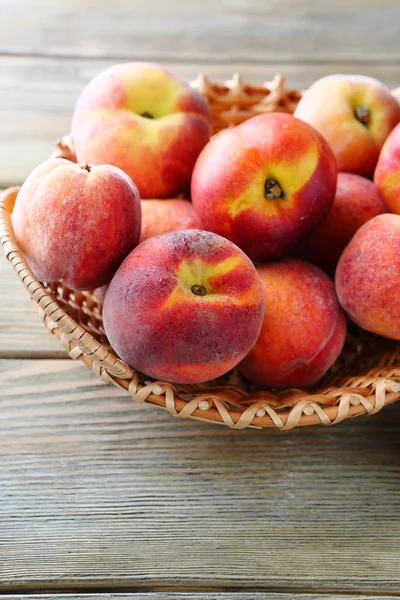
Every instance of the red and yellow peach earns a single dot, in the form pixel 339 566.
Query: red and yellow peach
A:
pixel 185 306
pixel 355 114
pixel 264 184
pixel 145 120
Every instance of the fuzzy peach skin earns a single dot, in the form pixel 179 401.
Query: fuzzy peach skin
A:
pixel 357 200
pixel 368 274
pixel 145 120
pixel 387 172
pixel 185 306
pixel 264 184
pixel 304 328
pixel 355 114
pixel 163 216
pixel 76 223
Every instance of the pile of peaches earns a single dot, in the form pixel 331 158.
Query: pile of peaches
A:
pixel 211 252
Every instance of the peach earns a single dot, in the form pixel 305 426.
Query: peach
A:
pixel 264 184
pixel 355 114
pixel 163 216
pixel 304 328
pixel 367 276
pixel 185 306
pixel 356 201
pixel 145 120
pixel 387 172
pixel 76 223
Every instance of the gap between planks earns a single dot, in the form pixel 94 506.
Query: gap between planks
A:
pixel 218 60
pixel 112 595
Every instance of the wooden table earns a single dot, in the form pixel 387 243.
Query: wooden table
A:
pixel 100 496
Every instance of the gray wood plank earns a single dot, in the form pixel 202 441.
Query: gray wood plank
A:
pixel 199 30
pixel 198 596
pixel 22 333
pixel 37 96
pixel 99 492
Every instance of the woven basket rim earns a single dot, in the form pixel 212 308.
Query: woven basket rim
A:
pixel 227 405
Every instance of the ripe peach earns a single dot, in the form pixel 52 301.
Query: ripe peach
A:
pixel 304 328
pixel 367 276
pixel 145 120
pixel 387 172
pixel 356 201
pixel 163 216
pixel 264 184
pixel 355 114
pixel 185 306
pixel 76 223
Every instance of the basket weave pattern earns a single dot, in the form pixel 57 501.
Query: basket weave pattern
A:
pixel 365 378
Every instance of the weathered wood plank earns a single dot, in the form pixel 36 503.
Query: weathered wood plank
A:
pixel 38 95
pixel 201 30
pixel 198 596
pixel 22 333
pixel 99 492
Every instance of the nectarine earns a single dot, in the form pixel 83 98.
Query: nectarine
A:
pixel 264 184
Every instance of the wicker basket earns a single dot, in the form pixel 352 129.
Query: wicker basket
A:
pixel 364 379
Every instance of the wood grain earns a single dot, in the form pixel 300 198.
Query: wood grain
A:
pixel 199 596
pixel 38 97
pixel 22 333
pixel 99 492
pixel 202 30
